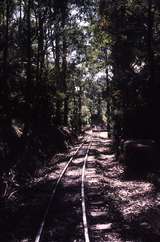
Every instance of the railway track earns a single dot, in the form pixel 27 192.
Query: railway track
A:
pixel 87 142
pixel 89 202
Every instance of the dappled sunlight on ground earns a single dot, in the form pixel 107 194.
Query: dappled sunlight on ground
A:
pixel 120 208
pixel 133 196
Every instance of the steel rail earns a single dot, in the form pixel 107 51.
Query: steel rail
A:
pixel 41 227
pixel 84 214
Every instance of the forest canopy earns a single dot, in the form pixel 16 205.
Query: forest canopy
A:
pixel 64 62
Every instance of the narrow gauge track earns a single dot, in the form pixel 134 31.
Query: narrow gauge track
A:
pixel 41 229
pixel 85 224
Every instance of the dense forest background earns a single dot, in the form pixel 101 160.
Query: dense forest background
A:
pixel 64 62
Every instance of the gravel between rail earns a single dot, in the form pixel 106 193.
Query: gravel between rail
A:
pixel 119 208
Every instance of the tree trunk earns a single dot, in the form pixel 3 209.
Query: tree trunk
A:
pixel 64 68
pixel 80 110
pixel 40 52
pixel 29 87
pixel 150 45
pixel 57 70
pixel 5 87
pixel 108 94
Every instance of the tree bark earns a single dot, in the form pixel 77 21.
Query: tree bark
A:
pixel 5 87
pixel 150 43
pixel 108 94
pixel 29 87
pixel 40 52
pixel 64 67
pixel 57 70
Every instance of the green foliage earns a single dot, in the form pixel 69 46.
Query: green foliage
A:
pixel 50 54
pixel 134 57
